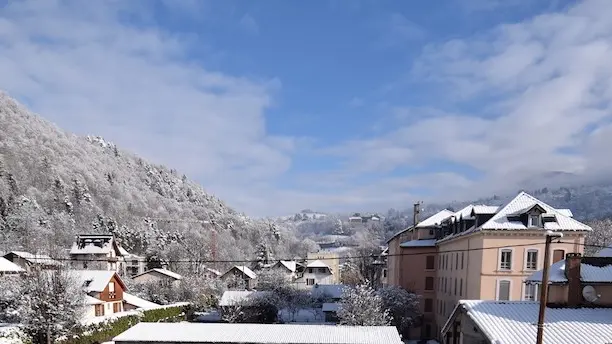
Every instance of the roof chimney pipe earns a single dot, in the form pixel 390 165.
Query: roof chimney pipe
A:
pixel 572 272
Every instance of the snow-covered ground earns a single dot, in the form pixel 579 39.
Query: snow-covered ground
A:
pixel 7 332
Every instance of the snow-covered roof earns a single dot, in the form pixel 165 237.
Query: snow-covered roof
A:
pixel 466 212
pixel 213 271
pixel 317 264
pixel 93 280
pixel 35 258
pixel 232 297
pixel 435 219
pixel 590 272
pixel 93 244
pixel 522 202
pixel 399 233
pixel 419 243
pixel 138 302
pixel 123 251
pixel 332 290
pixel 245 270
pixel 164 272
pixel 605 252
pixel 330 307
pixel 289 264
pixel 514 322
pixel 566 212
pixel 258 334
pixel 481 209
pixel 89 300
pixel 8 266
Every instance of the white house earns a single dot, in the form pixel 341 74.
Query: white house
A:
pixel 134 264
pixel 97 252
pixel 287 267
pixel 239 277
pixel 316 272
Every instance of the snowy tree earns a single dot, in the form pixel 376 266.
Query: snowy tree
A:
pixel 272 279
pixel 350 275
pixel 338 228
pixel 600 237
pixel 362 306
pixel 402 305
pixel 50 305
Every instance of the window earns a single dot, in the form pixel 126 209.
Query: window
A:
pixel 427 330
pixel 440 263
pixel 111 287
pixel 431 232
pixel 461 287
pixel 310 281
pixel 430 263
pixel 530 292
pixel 531 259
pixel 456 261
pixel 445 284
pixel 309 270
pixel 429 283
pixel 503 290
pixel 455 287
pixel 505 259
pixel 534 220
pixel 428 305
pixel 384 273
pixel 461 260
pixel 446 262
pixel 322 270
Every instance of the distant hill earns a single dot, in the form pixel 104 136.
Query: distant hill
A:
pixel 54 184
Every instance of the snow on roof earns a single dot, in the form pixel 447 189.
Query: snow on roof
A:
pixel 464 213
pixel 138 302
pixel 123 251
pixel 89 300
pixel 566 212
pixel 35 258
pixel 232 297
pixel 245 270
pixel 317 264
pixel 435 219
pixel 332 290
pixel 399 233
pixel 8 266
pixel 216 272
pixel 524 201
pixel 330 307
pixel 589 273
pixel 92 244
pixel 482 209
pixel 258 334
pixel 165 272
pixel 289 264
pixel 514 322
pixel 93 280
pixel 419 243
pixel 606 252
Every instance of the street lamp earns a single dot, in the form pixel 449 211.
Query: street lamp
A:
pixel 550 236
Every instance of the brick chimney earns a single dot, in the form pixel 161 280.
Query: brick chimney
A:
pixel 572 272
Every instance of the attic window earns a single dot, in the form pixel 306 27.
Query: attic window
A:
pixel 534 221
pixel 87 283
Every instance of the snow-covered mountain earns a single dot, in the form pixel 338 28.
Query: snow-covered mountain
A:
pixel 54 184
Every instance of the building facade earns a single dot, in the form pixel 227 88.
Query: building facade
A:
pixel 331 259
pixel 480 252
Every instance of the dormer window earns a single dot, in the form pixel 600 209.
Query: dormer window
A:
pixel 534 220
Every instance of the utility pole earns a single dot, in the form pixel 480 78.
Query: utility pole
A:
pixel 550 235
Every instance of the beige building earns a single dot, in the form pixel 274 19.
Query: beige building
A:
pixel 331 259
pixel 487 251
pixel 480 253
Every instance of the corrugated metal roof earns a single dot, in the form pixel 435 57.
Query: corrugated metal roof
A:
pixel 435 219
pixel 485 209
pixel 525 201
pixel 419 243
pixel 514 322
pixel 464 213
pixel 606 252
pixel 259 334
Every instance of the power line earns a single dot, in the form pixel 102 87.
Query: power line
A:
pixel 211 261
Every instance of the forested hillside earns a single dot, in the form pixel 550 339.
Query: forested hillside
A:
pixel 54 185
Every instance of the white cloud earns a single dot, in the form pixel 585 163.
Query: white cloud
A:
pixel 541 84
pixel 81 67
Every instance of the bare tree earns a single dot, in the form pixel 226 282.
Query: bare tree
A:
pixel 600 237
pixel 362 306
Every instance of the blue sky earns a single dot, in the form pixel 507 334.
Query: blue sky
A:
pixel 355 105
